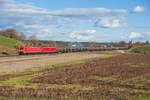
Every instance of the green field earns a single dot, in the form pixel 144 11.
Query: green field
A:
pixel 8 46
pixel 141 49
pixel 7 42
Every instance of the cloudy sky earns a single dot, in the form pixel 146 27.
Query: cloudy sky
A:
pixel 78 20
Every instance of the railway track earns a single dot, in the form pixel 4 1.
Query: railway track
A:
pixel 70 51
pixel 26 55
pixel 9 56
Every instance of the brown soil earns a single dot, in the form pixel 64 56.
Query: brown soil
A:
pixel 79 74
pixel 119 77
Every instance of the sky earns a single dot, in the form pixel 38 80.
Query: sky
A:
pixel 78 20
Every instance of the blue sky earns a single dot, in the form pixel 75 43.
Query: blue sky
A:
pixel 78 20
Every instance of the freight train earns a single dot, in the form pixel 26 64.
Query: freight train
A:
pixel 43 50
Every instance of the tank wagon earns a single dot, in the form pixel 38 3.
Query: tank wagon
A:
pixel 76 48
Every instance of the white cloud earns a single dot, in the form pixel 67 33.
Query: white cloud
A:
pixel 89 12
pixel 11 13
pixel 142 27
pixel 34 26
pixel 105 17
pixel 109 23
pixel 147 34
pixel 80 37
pixel 91 31
pixel 35 20
pixel 135 35
pixel 138 9
pixel 43 33
pixel 46 34
pixel 87 35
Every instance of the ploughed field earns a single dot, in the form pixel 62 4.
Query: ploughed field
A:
pixel 122 77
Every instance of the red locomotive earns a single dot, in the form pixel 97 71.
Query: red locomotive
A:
pixel 36 50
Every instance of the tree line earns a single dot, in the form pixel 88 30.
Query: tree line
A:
pixel 33 41
pixel 14 34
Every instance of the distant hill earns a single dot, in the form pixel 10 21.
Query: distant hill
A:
pixel 141 49
pixel 8 46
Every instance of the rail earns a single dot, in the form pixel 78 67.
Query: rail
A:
pixel 65 50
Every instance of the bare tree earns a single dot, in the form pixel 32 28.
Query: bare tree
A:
pixel 22 36
pixel 33 37
pixel 147 42
pixel 13 33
